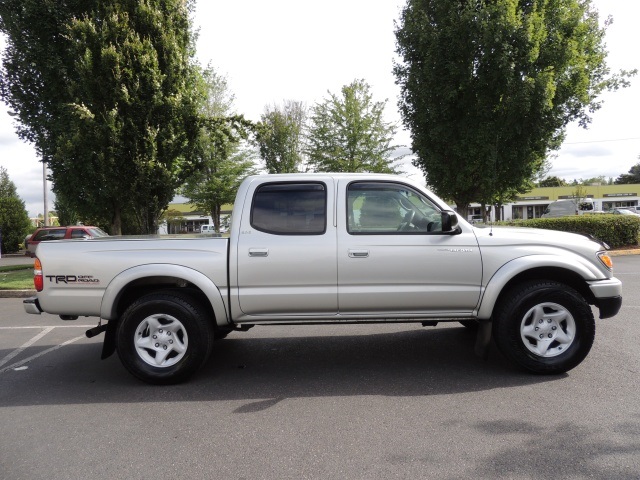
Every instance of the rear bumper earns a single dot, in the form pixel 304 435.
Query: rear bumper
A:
pixel 31 305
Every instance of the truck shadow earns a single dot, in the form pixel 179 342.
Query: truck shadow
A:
pixel 263 369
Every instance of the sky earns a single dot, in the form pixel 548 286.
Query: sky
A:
pixel 292 50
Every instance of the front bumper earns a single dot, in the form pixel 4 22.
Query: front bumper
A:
pixel 31 305
pixel 608 296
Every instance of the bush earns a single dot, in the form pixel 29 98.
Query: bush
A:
pixel 615 230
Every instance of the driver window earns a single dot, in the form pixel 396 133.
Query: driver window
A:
pixel 388 208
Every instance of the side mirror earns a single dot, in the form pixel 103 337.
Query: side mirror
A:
pixel 449 221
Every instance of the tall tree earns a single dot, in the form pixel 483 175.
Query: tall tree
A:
pixel 119 136
pixel 279 137
pixel 36 66
pixel 14 219
pixel 224 163
pixel 347 133
pixel 632 177
pixel 488 87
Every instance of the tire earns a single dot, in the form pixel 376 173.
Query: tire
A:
pixel 164 338
pixel 545 327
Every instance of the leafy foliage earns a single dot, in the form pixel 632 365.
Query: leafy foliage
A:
pixel 552 182
pixel 615 230
pixel 223 163
pixel 348 133
pixel 112 108
pixel 14 219
pixel 632 177
pixel 488 87
pixel 279 137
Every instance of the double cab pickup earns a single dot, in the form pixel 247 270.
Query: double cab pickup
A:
pixel 326 249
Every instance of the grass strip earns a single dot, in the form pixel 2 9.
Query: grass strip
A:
pixel 16 278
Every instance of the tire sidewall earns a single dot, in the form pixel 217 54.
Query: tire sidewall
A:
pixel 183 309
pixel 507 327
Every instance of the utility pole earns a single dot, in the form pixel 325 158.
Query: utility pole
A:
pixel 44 194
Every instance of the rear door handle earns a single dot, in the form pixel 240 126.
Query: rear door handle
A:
pixel 258 252
pixel 358 253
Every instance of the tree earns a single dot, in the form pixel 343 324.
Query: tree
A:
pixel 36 66
pixel 552 182
pixel 14 219
pixel 347 133
pixel 632 177
pixel 488 87
pixel 279 137
pixel 174 219
pixel 224 164
pixel 126 121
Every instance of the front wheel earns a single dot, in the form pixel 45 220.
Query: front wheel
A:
pixel 545 327
pixel 164 338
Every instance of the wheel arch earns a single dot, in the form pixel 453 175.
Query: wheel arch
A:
pixel 525 269
pixel 141 280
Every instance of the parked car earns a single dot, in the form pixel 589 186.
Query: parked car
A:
pixel 61 233
pixel 623 211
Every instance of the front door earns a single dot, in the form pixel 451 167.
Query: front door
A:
pixel 394 258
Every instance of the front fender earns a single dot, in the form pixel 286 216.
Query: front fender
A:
pixel 115 288
pixel 511 269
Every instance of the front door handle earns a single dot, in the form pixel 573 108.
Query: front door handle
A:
pixel 258 252
pixel 358 253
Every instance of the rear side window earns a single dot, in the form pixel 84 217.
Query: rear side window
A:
pixel 77 233
pixel 49 234
pixel 290 208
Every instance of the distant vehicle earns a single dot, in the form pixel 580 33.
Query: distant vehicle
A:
pixel 623 211
pixel 61 233
pixel 565 207
pixel 207 228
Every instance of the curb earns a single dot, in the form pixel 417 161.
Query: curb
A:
pixel 17 293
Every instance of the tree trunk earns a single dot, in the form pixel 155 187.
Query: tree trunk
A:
pixel 215 215
pixel 462 207
pixel 498 207
pixel 116 222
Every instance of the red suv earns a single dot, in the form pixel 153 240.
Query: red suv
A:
pixel 61 233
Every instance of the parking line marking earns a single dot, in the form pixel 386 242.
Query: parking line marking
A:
pixel 33 357
pixel 17 351
pixel 47 326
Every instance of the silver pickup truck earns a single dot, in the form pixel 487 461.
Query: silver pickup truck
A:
pixel 331 248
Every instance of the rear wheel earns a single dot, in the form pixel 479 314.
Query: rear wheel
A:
pixel 545 327
pixel 164 338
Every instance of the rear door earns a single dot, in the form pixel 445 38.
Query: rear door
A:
pixel 286 250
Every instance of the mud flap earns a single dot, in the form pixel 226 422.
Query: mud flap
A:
pixel 483 338
pixel 109 345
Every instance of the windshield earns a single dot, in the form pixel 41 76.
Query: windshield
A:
pixel 97 232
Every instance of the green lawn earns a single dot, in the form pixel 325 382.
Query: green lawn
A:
pixel 16 277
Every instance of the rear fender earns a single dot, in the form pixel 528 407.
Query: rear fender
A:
pixel 113 292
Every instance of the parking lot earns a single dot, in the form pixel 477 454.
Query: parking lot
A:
pixel 325 402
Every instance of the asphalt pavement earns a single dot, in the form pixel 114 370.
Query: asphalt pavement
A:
pixel 320 402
